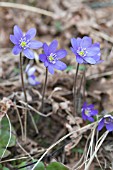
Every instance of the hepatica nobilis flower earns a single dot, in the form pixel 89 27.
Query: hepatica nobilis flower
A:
pixel 85 51
pixel 88 112
pixel 106 121
pixel 24 43
pixel 51 57
pixel 32 79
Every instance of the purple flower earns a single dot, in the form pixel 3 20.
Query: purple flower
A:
pixel 106 121
pixel 24 42
pixel 51 57
pixel 32 79
pixel 85 51
pixel 88 111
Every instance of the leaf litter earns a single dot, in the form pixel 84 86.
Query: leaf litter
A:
pixel 73 19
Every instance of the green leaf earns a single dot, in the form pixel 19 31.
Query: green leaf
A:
pixel 81 67
pixel 69 68
pixel 40 166
pixel 79 150
pixel 0 166
pixel 7 153
pixel 58 26
pixel 4 168
pixel 16 70
pixel 56 166
pixel 5 133
pixel 22 164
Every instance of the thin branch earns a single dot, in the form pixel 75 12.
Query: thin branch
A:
pixel 96 150
pixel 14 159
pixel 28 8
pixel 25 151
pixel 60 140
pixel 36 111
pixel 34 124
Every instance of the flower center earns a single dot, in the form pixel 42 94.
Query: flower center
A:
pixel 52 58
pixel 82 52
pixel 87 112
pixel 108 120
pixel 24 42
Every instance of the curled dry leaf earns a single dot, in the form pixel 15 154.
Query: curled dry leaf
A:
pixel 55 90
pixel 74 120
pixel 55 107
pixel 5 104
pixel 68 148
pixel 64 105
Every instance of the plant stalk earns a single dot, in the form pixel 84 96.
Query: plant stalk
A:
pixel 25 96
pixel 81 82
pixel 84 86
pixel 44 88
pixel 74 88
pixel 78 94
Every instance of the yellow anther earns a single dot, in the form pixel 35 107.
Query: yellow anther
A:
pixel 23 44
pixel 87 112
pixel 81 53
pixel 51 58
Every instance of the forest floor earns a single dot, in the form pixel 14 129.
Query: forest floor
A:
pixel 61 20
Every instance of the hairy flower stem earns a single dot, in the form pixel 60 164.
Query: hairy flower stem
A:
pixel 74 87
pixel 44 88
pixel 83 78
pixel 25 96
pixel 84 85
pixel 79 97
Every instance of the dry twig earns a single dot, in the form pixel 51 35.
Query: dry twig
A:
pixel 28 8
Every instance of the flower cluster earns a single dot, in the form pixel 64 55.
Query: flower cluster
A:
pixel 88 112
pixel 84 50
